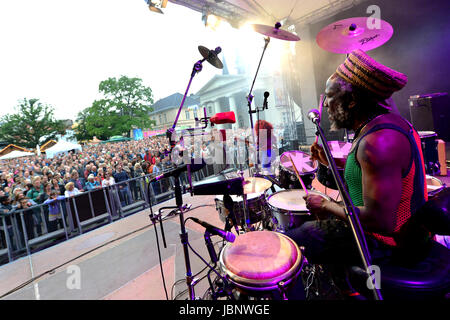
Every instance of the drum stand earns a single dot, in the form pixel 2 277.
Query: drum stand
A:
pixel 351 211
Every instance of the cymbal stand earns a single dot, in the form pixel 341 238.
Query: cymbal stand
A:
pixel 190 281
pixel 351 211
pixel 250 97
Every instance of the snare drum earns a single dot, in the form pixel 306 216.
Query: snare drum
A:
pixel 434 186
pixel 262 263
pixel 339 151
pixel 305 166
pixel 288 208
pixel 256 204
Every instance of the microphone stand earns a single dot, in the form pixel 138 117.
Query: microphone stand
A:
pixel 351 211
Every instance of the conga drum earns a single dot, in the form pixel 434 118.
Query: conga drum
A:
pixel 262 263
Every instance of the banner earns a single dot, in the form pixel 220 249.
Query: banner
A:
pixel 151 133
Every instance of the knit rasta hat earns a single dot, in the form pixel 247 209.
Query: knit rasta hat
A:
pixel 362 71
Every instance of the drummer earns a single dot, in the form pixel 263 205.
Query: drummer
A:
pixel 384 172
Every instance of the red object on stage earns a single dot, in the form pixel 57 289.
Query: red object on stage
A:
pixel 223 133
pixel 223 117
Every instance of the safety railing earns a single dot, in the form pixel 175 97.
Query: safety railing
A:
pixel 28 230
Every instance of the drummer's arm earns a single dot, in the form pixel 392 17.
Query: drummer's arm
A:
pixel 381 178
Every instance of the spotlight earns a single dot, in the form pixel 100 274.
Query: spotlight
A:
pixel 156 5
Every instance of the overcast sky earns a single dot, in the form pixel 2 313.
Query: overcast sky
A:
pixel 60 50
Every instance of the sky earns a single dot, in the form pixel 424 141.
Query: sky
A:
pixel 59 51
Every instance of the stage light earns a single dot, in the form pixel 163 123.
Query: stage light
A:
pixel 212 21
pixel 156 5
pixel 155 9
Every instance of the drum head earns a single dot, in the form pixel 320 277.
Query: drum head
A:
pixel 256 185
pixel 291 200
pixel 339 149
pixel 238 199
pixel 261 258
pixel 302 162
pixel 434 185
pixel 427 134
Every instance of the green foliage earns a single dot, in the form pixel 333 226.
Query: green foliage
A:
pixel 125 105
pixel 32 121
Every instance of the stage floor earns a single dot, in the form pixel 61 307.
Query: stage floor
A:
pixel 120 261
pixel 126 266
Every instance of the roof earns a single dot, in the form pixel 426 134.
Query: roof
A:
pixel 11 147
pixel 174 101
pixel 50 143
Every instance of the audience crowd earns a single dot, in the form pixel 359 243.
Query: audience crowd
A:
pixel 29 181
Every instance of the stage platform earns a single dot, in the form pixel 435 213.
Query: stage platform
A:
pixel 125 266
pixel 120 261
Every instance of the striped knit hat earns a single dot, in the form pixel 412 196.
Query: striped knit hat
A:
pixel 361 70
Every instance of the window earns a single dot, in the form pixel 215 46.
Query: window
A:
pixel 210 110
pixel 188 115
pixel 165 117
pixel 195 113
pixel 160 119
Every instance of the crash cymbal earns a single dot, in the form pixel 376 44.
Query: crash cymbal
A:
pixel 345 36
pixel 256 185
pixel 211 56
pixel 275 32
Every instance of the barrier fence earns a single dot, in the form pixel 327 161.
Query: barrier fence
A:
pixel 25 231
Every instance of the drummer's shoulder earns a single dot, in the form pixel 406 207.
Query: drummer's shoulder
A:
pixel 383 146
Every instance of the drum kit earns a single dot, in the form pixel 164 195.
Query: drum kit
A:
pixel 263 262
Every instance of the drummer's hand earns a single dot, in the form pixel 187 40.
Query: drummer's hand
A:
pixel 317 153
pixel 316 206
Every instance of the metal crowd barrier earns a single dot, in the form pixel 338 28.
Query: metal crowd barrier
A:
pixel 86 211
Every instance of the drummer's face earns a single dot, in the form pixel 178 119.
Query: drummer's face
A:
pixel 339 112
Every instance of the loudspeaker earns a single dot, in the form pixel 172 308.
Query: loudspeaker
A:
pixel 431 112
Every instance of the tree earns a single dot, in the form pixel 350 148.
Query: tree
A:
pixel 32 121
pixel 126 104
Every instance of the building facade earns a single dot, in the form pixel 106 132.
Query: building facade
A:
pixel 165 111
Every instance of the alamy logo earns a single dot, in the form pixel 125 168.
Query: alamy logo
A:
pixel 74 280
pixel 374 21
pixel 374 280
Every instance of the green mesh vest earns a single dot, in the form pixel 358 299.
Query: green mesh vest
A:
pixel 413 182
pixel 353 179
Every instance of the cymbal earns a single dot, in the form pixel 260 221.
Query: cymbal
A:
pixel 256 185
pixel 211 56
pixel 345 36
pixel 275 32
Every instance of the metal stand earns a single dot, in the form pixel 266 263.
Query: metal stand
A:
pixel 350 210
pixel 250 98
pixel 184 237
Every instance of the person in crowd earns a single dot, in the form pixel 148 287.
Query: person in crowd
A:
pixel 54 210
pixel 34 196
pixel 120 176
pixel 109 180
pixel 92 184
pixel 71 190
pixel 79 184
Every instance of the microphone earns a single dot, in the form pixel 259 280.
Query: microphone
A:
pixel 266 95
pixel 223 117
pixel 314 116
pixel 228 236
